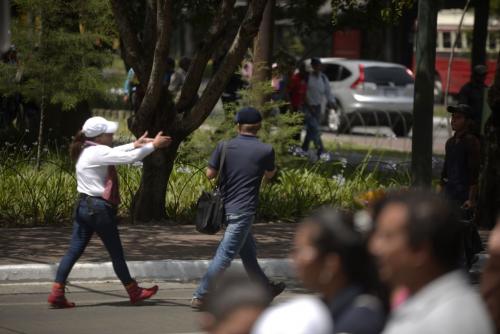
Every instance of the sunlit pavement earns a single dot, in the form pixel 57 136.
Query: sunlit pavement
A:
pixel 102 307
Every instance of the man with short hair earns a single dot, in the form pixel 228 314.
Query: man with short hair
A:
pixel 417 242
pixel 247 161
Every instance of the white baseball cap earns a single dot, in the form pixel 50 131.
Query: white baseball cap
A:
pixel 96 126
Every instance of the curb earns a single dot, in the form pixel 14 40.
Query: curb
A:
pixel 171 270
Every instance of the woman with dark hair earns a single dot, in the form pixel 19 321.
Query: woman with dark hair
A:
pixel 331 257
pixel 98 199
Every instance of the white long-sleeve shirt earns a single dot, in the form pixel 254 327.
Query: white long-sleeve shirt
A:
pixel 92 165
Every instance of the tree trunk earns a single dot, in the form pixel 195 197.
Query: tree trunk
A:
pixel 149 201
pixel 488 200
pixel 156 111
pixel 480 33
pixel 263 48
pixel 424 94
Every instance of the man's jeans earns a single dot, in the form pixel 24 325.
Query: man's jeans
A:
pixel 94 214
pixel 238 239
pixel 313 131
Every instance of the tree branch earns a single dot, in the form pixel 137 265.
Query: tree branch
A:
pixel 246 33
pixel 149 32
pixel 199 63
pixel 133 55
pixel 154 89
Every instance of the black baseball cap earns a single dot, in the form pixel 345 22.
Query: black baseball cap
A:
pixel 461 108
pixel 315 61
pixel 248 115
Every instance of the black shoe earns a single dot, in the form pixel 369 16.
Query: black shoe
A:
pixel 276 288
pixel 197 303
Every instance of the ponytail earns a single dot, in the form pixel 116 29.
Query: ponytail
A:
pixel 76 146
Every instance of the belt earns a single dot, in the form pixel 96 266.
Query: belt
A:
pixel 82 196
pixel 85 196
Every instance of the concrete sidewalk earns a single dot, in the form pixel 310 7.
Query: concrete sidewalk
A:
pixel 152 251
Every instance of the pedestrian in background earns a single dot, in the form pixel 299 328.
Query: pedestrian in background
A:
pixel 459 177
pixel 179 76
pixel 318 89
pixel 417 243
pixel 473 95
pixel 247 161
pixel 98 200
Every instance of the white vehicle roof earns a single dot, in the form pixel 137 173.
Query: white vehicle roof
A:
pixel 367 63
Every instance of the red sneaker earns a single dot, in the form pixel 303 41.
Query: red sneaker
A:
pixel 57 299
pixel 136 293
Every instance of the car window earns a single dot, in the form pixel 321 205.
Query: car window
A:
pixel 344 73
pixel 331 71
pixel 397 76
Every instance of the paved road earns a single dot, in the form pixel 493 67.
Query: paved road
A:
pixel 384 138
pixel 101 308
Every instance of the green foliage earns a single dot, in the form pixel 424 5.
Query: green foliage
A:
pixel 369 12
pixel 29 197
pixel 277 128
pixel 61 47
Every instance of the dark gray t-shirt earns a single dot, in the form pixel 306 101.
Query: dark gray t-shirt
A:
pixel 247 158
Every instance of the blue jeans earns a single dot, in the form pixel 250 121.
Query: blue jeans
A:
pixel 94 214
pixel 238 239
pixel 313 131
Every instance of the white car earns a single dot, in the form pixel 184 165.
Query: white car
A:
pixel 369 93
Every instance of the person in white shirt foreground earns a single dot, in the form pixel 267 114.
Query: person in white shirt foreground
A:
pixel 331 258
pixel 417 242
pixel 97 185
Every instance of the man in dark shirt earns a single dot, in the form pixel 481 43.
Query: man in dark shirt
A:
pixel 459 177
pixel 247 161
pixel 472 94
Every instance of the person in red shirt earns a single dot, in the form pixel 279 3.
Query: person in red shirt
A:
pixel 297 89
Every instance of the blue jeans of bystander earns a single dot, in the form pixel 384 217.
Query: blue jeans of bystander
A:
pixel 238 239
pixel 94 214
pixel 313 131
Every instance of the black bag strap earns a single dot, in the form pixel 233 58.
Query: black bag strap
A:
pixel 221 164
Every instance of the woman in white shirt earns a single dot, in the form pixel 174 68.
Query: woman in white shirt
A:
pixel 97 185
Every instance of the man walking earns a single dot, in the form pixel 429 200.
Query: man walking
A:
pixel 318 88
pixel 472 94
pixel 247 161
pixel 417 245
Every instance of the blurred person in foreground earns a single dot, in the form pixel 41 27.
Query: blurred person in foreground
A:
pixel 417 243
pixel 490 279
pixel 234 305
pixel 98 200
pixel 331 258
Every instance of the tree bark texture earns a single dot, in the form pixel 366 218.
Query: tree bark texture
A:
pixel 263 45
pixel 488 202
pixel 149 201
pixel 424 93
pixel 157 111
